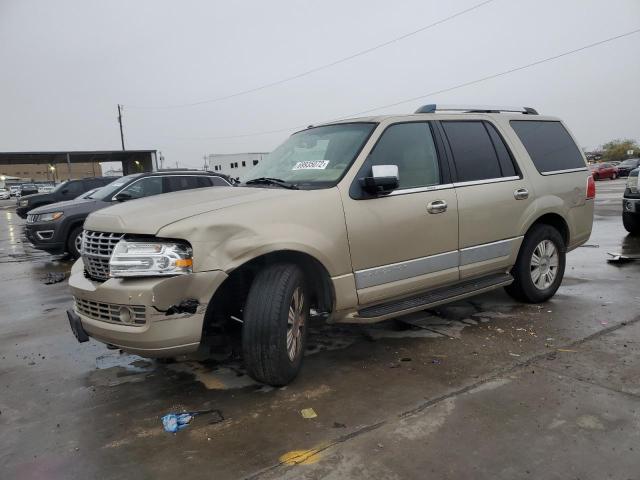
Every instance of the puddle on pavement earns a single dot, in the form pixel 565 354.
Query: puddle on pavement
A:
pixel 117 368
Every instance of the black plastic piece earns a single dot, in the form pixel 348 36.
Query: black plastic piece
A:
pixel 76 327
pixel 189 305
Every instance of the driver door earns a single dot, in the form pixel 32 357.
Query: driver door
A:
pixel 405 241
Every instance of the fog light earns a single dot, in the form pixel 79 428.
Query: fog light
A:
pixel 126 315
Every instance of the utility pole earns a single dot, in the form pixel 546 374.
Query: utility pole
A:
pixel 120 122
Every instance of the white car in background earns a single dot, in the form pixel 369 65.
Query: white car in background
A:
pixel 45 188
pixel 4 194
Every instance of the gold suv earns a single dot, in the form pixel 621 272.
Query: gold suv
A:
pixel 362 220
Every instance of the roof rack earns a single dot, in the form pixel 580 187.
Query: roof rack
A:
pixel 433 108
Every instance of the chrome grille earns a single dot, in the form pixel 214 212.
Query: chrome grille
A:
pixel 96 252
pixel 109 312
pixel 32 218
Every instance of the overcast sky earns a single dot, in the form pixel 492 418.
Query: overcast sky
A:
pixel 65 65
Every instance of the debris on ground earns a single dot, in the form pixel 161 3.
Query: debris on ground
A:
pixel 618 258
pixel 54 277
pixel 339 425
pixel 308 413
pixel 174 422
pixel 514 354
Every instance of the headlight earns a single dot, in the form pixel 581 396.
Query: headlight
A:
pixel 632 182
pixel 147 259
pixel 49 217
pixel 24 203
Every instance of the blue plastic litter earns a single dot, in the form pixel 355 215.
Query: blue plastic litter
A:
pixel 174 422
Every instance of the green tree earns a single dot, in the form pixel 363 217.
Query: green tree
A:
pixel 617 149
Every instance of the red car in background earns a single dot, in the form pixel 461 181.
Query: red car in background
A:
pixel 604 170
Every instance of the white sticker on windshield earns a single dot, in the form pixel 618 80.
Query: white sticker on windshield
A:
pixel 311 165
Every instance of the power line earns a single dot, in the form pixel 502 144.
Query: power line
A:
pixel 319 68
pixel 430 94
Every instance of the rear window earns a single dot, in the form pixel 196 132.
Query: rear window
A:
pixel 549 145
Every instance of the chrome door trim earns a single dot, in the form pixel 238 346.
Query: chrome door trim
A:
pixel 430 188
pixel 487 251
pixel 393 272
pixel 487 180
pixel 568 170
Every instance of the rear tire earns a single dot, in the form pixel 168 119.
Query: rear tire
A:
pixel 73 242
pixel 596 177
pixel 274 330
pixel 540 265
pixel 631 222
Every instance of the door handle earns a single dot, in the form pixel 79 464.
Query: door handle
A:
pixel 521 194
pixel 437 206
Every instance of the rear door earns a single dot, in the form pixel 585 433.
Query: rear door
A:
pixel 492 196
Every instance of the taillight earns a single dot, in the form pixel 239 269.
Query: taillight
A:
pixel 591 188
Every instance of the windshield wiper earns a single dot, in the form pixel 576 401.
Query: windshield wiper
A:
pixel 271 181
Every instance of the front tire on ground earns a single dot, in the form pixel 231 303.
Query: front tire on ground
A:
pixel 540 265
pixel 631 222
pixel 274 330
pixel 73 243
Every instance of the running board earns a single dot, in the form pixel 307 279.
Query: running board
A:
pixel 438 296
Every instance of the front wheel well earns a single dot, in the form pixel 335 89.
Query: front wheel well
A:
pixel 556 221
pixel 230 297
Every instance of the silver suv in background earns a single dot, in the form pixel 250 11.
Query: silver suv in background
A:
pixel 362 220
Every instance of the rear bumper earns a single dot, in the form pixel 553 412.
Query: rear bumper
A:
pixel 161 335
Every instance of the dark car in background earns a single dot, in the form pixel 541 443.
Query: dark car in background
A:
pixel 631 203
pixel 627 165
pixel 57 228
pixel 65 191
pixel 28 189
pixel 604 170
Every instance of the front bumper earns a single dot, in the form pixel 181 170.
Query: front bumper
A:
pixel 157 334
pixel 44 236
pixel 631 205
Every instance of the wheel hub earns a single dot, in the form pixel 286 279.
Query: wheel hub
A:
pixel 295 324
pixel 544 264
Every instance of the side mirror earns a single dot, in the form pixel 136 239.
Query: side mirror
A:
pixel 64 191
pixel 123 197
pixel 383 179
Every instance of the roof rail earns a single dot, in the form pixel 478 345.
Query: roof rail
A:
pixel 433 108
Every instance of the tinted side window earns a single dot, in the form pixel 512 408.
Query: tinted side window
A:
pixel 410 146
pixel 175 184
pixel 73 189
pixel 474 155
pixel 549 145
pixel 218 182
pixel 144 188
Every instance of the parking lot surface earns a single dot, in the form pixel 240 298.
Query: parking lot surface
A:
pixel 483 388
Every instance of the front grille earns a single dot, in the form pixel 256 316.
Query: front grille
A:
pixel 32 218
pixel 109 312
pixel 96 252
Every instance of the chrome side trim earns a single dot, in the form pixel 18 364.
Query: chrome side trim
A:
pixel 430 188
pixel 394 272
pixel 568 170
pixel 488 180
pixel 403 270
pixel 487 251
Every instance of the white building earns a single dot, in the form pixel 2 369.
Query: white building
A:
pixel 234 164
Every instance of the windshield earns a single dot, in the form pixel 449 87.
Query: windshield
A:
pixel 106 192
pixel 316 157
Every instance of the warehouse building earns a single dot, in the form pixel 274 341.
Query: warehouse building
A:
pixel 234 164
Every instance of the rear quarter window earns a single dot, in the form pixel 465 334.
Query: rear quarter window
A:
pixel 549 145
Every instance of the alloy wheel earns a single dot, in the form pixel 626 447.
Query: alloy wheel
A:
pixel 544 264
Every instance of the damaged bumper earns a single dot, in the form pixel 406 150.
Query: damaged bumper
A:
pixel 145 316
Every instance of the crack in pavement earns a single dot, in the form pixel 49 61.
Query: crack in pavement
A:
pixel 434 401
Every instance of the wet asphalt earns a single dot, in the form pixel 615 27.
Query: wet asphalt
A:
pixel 484 388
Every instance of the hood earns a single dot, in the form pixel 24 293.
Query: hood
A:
pixel 66 206
pixel 149 215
